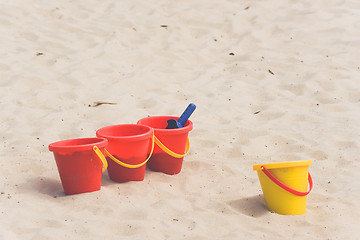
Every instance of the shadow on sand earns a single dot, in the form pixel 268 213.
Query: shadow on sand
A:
pixel 48 186
pixel 251 206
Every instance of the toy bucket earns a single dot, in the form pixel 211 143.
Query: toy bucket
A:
pixel 127 150
pixel 169 150
pixel 284 186
pixel 80 163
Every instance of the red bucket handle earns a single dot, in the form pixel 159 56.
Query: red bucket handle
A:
pixel 285 187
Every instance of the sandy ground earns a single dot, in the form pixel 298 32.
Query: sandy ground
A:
pixel 272 80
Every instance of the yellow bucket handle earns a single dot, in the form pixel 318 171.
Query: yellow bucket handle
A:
pixel 171 153
pixel 154 140
pixel 101 156
pixel 130 165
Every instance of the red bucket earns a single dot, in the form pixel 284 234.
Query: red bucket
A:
pixel 127 150
pixel 170 145
pixel 80 163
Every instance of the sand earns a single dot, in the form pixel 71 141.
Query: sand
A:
pixel 273 81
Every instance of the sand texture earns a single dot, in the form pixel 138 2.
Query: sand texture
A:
pixel 273 81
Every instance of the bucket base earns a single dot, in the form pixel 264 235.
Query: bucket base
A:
pixel 69 192
pixel 122 174
pixel 162 162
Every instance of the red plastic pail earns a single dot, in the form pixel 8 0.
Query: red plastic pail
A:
pixel 127 150
pixel 170 145
pixel 80 167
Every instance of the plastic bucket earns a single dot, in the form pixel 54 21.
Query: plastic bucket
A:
pixel 284 186
pixel 169 150
pixel 80 163
pixel 127 150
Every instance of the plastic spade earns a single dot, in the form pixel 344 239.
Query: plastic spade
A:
pixel 172 123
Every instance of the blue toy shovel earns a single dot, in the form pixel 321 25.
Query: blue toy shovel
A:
pixel 172 123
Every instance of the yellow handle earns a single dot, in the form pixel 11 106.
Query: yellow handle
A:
pixel 171 153
pixel 102 158
pixel 129 165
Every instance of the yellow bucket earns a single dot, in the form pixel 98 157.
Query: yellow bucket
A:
pixel 284 186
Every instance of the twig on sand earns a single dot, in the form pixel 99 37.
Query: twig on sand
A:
pixel 101 103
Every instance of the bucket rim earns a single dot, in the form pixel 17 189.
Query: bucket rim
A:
pixel 299 163
pixel 187 128
pixel 77 144
pixel 111 138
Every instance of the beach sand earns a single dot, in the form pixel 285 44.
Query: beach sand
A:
pixel 273 81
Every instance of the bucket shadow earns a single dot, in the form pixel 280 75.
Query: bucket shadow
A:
pixel 53 187
pixel 106 181
pixel 48 186
pixel 251 206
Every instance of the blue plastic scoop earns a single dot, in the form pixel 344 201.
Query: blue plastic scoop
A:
pixel 172 123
